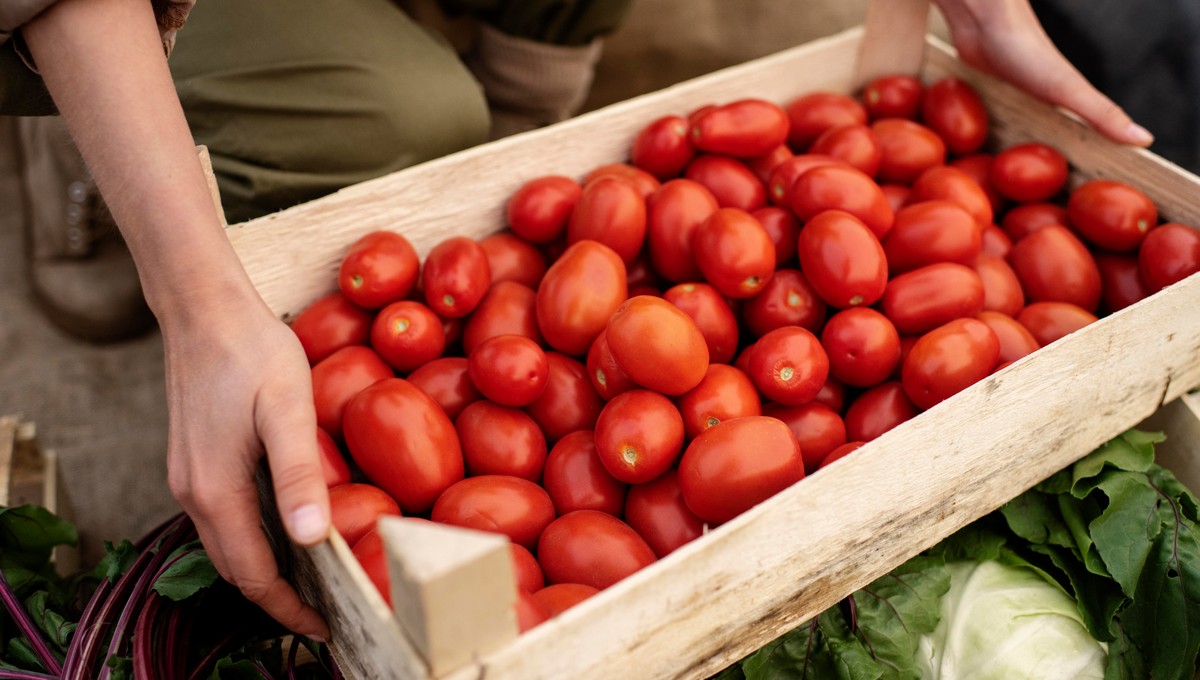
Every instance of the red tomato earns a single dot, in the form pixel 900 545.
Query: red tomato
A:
pixel 605 375
pixel 744 129
pixel 592 548
pixel 1121 282
pixel 978 167
pixel 893 96
pixel 876 411
pixel 371 557
pixel 840 187
pixel 734 252
pixel 329 324
pixel 511 258
pixel 528 571
pixel 612 212
pixel 455 276
pixel 407 334
pixel 935 294
pixel 951 184
pixel 340 376
pixel 719 481
pixel 788 365
pixel 1001 289
pixel 929 232
pixel 354 509
pixel 577 480
pixel 500 504
pixel 560 597
pixel 786 300
pixel 1170 253
pixel 712 315
pixel 333 464
pixel 1022 219
pixel 818 428
pixel 907 149
pixel 403 442
pixel 379 268
pixel 1049 321
pixel 764 165
pixel 783 229
pixel 657 345
pixel 833 394
pixel 539 209
pixel 841 452
pixel 638 436
pixel 954 110
pixel 863 347
pixel 500 440
pixel 508 308
pixel 855 145
pixel 843 260
pixel 446 380
pixel 662 148
pixel 509 369
pixel 814 113
pixel 731 181
pixel 995 242
pixel 896 194
pixel 1029 172
pixel 1015 340
pixel 783 177
pixel 583 287
pixel 529 612
pixel 1111 215
pixel 569 402
pixel 1053 265
pixel 674 213
pixel 949 359
pixel 657 511
pixel 644 182
pixel 725 393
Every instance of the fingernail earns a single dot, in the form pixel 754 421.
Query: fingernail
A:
pixel 1139 134
pixel 308 523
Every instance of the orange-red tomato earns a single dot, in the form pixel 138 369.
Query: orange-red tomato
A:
pixel 1002 290
pixel 340 376
pixel 978 167
pixel 855 145
pixel 1170 253
pixel 642 181
pixel 907 149
pixel 931 231
pixel 500 504
pixel 500 440
pixel 446 380
pixel 455 277
pixel 1053 265
pixel 569 402
pixel 612 212
pixel 893 96
pixel 560 597
pixel 949 183
pixel 527 570
pixel 407 334
pixel 354 509
pixel 511 258
pixel 577 480
pixel 734 252
pixel 788 365
pixel 511 370
pixel 841 187
pixel 816 112
pixel 370 555
pixel 744 129
pixel 1049 321
pixel 863 348
pixel 580 290
pixel 329 324
pixel 539 209
pixel 508 308
pixel 657 511
pixel 783 228
pixel 954 110
pixel 725 393
pixel 1029 172
pixel 731 181
pixel 876 411
pixel 786 300
pixel 592 548
pixel 529 612
pixel 378 268
pixel 949 359
pixel 995 242
pixel 1015 340
pixel 333 464
pixel 818 428
pixel 639 434
pixel 764 165
pixel 843 260
pixel 841 452
pixel 657 345
pixel 935 294
pixel 674 213
pixel 713 316
pixel 1022 219
pixel 605 375
pixel 1111 214
pixel 1121 282
pixel 783 176
pixel 663 148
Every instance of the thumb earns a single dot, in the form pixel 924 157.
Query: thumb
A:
pixel 288 433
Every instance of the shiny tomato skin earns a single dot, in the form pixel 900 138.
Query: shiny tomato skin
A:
pixel 978 167
pixel 1002 290
pixel 843 260
pixel 1024 218
pixel 841 452
pixel 511 370
pixel 674 213
pixel 878 410
pixel 403 442
pixel 569 402
pixel 953 109
pixel 577 480
pixel 500 440
pixel 657 345
pixel 340 376
pixel 512 258
pixel 788 365
pixel 1111 215
pixel 455 276
pixel 1121 282
pixel 380 267
pixel 447 381
pixel 896 194
pixel 893 96
pixel 539 209
pixel 833 394
pixel 931 231
pixel 511 506
pixel 712 315
pixel 863 347
pixel 329 324
pixel 508 308
pixel 371 557
pixel 764 165
pixel 1049 321
pixel 995 242
pixel 735 254
pixel 787 300
pixel 907 149
pixel 527 570
pixel 949 183
pixel 719 481
pixel 581 289
pixel 840 187
pixel 407 334
pixel 354 509
pixel 783 177
pixel 612 212
pixel 743 129
pixel 814 113
pixel 592 548
pixel 725 393
pixel 921 300
pixel 657 511
pixel 783 228
pixel 1015 340
pixel 1029 172
pixel 604 373
pixel 854 145
pixel 731 181
pixel 818 428
pixel 1053 265
pixel 663 147
pixel 1169 253
pixel 333 464
pixel 642 181
pixel 529 612
pixel 639 434
pixel 949 359
pixel 560 597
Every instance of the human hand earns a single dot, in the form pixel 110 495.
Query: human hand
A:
pixel 1004 37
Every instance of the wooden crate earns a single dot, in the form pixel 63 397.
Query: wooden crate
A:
pixel 29 475
pixel 726 594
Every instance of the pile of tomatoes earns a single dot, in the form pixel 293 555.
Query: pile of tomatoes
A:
pixel 652 349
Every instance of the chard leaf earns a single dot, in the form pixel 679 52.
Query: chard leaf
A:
pixel 29 532
pixel 1035 517
pixel 733 672
pixel 1077 514
pixel 1059 482
pixel 116 561
pixel 894 611
pixel 852 660
pixel 969 543
pixel 1132 451
pixel 120 667
pixel 1125 531
pixel 1125 660
pixel 55 626
pixel 20 654
pixel 189 574
pixel 1095 597
pixel 800 654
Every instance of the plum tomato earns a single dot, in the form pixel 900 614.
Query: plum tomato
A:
pixel 1111 215
pixel 949 183
pixel 841 187
pixel 764 165
pixel 1049 321
pixel 526 569
pixel 818 428
pixel 953 109
pixel 922 299
pixel 907 149
pixel 841 452
pixel 712 315
pixel 855 145
pixel 1024 218
pixel 511 370
pixel 354 509
pixel 515 507
pixel 786 300
pixel 404 443
pixel 407 334
pixel 893 96
pixel 378 268
pixel 340 376
pixel 605 375
pixel 978 167
pixel 656 510
pixel 500 440
pixel 719 481
pixel 731 181
pixel 612 212
pixel 371 557
pixel 788 365
pixel 949 359
pixel 455 277
pixel 333 464
pixel 329 324
pixel 560 597
pixel 878 410
pixel 863 347
pixel 446 380
pixel 1015 340
pixel 896 194
pixel 1002 290
pixel 508 308
pixel 783 177
pixel 1169 253
pixel 816 112
pixel 725 393
pixel 843 260
pixel 569 402
pixel 577 480
pixel 593 548
pixel 580 290
pixel 673 214
pixel 995 242
pixel 538 211
pixel 529 612
pixel 657 345
pixel 639 434
pixel 734 252
pixel 663 148
pixel 511 258
pixel 1053 265
pixel 644 182
pixel 931 231
pixel 783 228
pixel 1121 282
pixel 833 392
pixel 744 129
pixel 1029 172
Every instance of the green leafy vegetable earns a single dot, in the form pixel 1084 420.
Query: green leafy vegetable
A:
pixel 192 572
